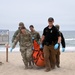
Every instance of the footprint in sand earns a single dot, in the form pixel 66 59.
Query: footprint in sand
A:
pixel 1 63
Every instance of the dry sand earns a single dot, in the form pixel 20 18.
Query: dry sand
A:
pixel 15 65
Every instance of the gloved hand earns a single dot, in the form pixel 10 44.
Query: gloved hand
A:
pixel 63 49
pixel 32 48
pixel 41 47
pixel 32 38
pixel 56 46
pixel 11 49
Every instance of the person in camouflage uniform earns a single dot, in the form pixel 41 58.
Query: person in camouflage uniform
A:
pixel 21 24
pixel 34 34
pixel 25 42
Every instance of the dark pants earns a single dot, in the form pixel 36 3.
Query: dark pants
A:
pixel 49 56
pixel 58 57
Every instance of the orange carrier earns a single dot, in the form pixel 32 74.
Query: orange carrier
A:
pixel 38 55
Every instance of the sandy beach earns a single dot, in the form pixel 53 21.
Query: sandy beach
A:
pixel 15 65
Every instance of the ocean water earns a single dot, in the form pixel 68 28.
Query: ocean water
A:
pixel 68 35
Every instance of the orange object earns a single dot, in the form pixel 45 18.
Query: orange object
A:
pixel 38 56
pixel 36 45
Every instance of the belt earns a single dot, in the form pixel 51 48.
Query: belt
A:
pixel 47 43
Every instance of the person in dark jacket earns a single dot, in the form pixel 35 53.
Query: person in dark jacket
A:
pixel 52 39
pixel 63 47
pixel 62 38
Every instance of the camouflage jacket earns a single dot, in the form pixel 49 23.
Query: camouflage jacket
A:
pixel 15 34
pixel 36 36
pixel 24 40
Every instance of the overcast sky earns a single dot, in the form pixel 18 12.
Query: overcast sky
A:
pixel 37 12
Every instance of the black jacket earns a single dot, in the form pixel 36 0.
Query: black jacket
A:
pixel 62 40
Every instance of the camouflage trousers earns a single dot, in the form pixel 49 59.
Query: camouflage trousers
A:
pixel 26 53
